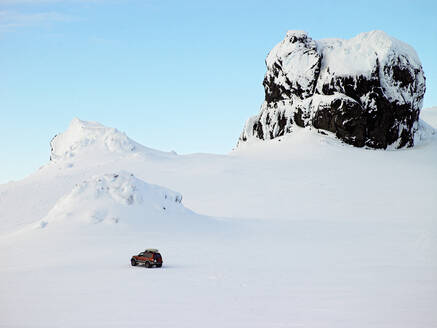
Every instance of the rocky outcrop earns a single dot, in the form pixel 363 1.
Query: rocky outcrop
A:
pixel 368 90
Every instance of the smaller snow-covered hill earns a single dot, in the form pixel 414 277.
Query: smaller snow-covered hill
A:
pixel 92 137
pixel 115 198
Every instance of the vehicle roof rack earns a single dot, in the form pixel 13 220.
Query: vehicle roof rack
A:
pixel 152 250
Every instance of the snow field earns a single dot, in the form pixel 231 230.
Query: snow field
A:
pixel 302 232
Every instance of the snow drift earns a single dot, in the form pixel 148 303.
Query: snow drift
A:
pixel 368 90
pixel 114 198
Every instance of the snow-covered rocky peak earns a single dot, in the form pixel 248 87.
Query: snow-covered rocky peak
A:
pixel 368 90
pixel 295 62
pixel 375 52
pixel 81 135
pixel 360 53
pixel 112 198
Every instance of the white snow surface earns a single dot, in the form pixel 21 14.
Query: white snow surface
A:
pixel 359 53
pixel 293 232
pixel 355 56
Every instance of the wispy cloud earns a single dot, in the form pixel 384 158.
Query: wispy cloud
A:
pixel 13 19
pixel 24 13
pixel 18 2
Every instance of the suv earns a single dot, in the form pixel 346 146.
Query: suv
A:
pixel 150 257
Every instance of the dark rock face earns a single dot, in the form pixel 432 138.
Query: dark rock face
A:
pixel 344 117
pixel 368 91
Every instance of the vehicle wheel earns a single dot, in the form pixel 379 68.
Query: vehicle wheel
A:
pixel 133 262
pixel 147 264
pixel 159 265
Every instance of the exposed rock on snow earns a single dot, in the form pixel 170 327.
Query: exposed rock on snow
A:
pixel 367 90
pixel 113 197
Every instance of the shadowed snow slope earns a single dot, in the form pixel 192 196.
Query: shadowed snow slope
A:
pixel 429 115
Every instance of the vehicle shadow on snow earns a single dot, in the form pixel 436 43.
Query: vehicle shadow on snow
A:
pixel 164 267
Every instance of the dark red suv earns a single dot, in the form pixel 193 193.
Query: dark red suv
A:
pixel 150 257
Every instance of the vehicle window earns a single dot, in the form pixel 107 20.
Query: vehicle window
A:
pixel 148 254
pixel 141 254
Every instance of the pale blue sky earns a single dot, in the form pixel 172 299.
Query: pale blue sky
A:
pixel 173 75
